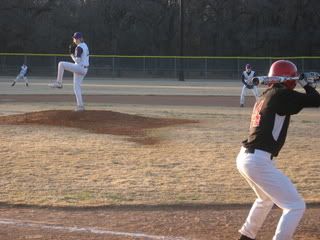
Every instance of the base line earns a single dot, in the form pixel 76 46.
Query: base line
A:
pixel 99 231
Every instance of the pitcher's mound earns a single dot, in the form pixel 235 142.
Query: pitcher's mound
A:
pixel 104 122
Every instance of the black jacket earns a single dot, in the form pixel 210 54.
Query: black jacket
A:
pixel 271 116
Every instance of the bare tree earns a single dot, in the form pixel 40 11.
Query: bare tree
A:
pixel 150 27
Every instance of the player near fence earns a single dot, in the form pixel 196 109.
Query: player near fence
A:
pixel 246 79
pixel 268 129
pixel 79 52
pixel 24 70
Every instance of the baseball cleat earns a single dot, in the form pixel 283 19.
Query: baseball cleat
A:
pixel 27 85
pixel 79 109
pixel 241 105
pixel 55 84
pixel 243 237
pixel 13 84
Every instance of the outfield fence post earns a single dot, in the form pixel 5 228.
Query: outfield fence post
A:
pixel 113 66
pixel 144 66
pixel 3 63
pixel 206 68
pixel 55 66
pixel 175 67
pixel 238 67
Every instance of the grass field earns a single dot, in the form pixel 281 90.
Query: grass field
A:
pixel 192 163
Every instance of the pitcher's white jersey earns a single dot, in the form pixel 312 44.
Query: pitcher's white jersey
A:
pixel 82 55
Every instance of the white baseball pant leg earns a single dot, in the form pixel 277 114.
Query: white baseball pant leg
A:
pixel 77 81
pixel 243 94
pixel 79 73
pixel 19 77
pixel 25 79
pixel 271 186
pixel 255 92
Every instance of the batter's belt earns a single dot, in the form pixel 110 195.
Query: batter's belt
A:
pixel 258 151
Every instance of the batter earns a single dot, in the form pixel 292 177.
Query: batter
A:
pixel 268 130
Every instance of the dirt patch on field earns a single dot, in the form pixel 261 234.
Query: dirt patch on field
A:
pixel 142 223
pixel 102 122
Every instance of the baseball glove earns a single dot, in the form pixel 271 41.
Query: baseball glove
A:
pixel 72 48
pixel 249 86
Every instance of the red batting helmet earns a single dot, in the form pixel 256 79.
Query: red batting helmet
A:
pixel 284 68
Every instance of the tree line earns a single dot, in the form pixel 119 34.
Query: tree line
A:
pixel 151 27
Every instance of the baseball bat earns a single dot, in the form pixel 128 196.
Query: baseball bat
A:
pixel 310 77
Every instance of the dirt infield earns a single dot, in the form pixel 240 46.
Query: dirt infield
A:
pixel 142 222
pixel 155 222
pixel 185 137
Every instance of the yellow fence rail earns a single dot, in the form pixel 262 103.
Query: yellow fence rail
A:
pixel 128 66
pixel 164 57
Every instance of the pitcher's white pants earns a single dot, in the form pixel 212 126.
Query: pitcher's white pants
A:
pixel 79 72
pixel 244 91
pixel 271 187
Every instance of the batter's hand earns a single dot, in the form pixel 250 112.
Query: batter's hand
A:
pixel 303 81
pixel 72 48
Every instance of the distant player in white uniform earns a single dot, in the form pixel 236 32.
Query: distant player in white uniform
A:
pixel 80 54
pixel 246 79
pixel 22 75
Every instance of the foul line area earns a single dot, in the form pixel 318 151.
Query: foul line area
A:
pixel 90 230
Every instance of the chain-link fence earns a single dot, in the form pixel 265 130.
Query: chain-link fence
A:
pixel 152 66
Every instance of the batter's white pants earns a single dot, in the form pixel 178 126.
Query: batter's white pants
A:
pixel 244 93
pixel 79 72
pixel 271 187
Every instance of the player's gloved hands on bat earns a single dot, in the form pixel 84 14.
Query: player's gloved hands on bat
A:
pixel 309 78
pixel 303 80
pixel 72 48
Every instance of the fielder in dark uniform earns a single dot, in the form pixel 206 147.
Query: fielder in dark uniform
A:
pixel 268 130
